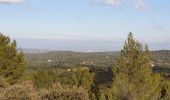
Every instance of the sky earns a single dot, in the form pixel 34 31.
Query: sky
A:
pixel 85 24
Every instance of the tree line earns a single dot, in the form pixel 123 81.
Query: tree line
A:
pixel 132 77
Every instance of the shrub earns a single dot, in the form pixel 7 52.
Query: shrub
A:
pixel 3 83
pixel 57 92
pixel 45 78
pixel 19 92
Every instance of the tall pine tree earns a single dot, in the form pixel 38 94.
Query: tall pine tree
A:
pixel 12 64
pixel 133 76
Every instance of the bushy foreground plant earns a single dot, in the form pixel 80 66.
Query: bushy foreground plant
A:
pixel 82 77
pixel 25 91
pixel 19 92
pixel 58 92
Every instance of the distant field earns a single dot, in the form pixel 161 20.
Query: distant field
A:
pixel 96 59
pixel 70 59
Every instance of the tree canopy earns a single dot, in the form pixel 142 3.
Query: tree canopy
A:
pixel 12 63
pixel 134 79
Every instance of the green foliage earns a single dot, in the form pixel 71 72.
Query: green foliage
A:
pixel 80 77
pixel 12 64
pixel 57 92
pixel 134 79
pixel 45 78
pixel 94 92
pixel 69 78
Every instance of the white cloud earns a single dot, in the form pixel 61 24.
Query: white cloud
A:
pixel 138 4
pixel 109 2
pixel 12 1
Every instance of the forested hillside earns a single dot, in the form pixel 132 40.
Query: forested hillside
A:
pixel 161 58
pixel 86 59
pixel 71 59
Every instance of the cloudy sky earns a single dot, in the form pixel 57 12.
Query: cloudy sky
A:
pixel 85 24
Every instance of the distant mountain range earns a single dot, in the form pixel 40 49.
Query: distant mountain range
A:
pixel 29 50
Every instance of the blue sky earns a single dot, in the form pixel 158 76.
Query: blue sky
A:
pixel 85 24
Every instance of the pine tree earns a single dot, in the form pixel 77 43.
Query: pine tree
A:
pixel 12 63
pixel 133 76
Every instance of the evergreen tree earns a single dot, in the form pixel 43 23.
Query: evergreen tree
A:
pixel 133 76
pixel 12 64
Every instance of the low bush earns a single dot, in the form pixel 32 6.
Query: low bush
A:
pixel 57 92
